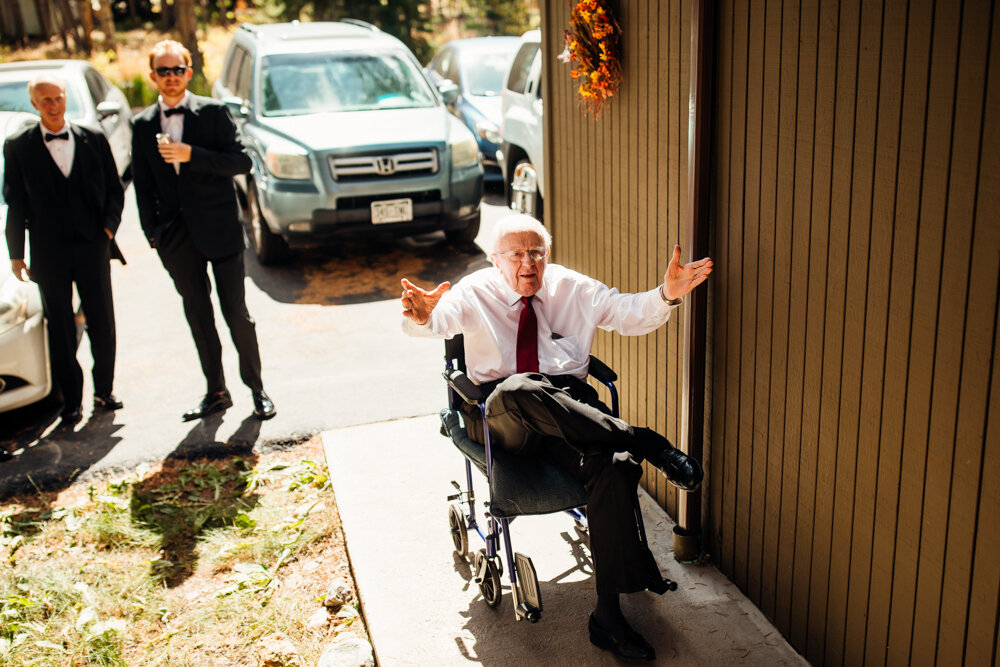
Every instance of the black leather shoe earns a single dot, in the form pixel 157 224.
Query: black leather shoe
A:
pixel 625 644
pixel 69 418
pixel 108 402
pixel 212 403
pixel 681 470
pixel 263 406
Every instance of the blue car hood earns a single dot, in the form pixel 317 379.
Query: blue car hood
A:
pixel 359 129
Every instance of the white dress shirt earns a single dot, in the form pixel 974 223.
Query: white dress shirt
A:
pixel 570 307
pixel 61 150
pixel 174 124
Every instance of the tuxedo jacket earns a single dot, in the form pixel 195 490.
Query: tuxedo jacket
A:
pixel 202 195
pixel 34 189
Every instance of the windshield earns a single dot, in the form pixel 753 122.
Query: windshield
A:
pixel 14 97
pixel 307 83
pixel 485 74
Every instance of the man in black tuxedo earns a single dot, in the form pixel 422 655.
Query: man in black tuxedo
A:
pixel 62 188
pixel 185 152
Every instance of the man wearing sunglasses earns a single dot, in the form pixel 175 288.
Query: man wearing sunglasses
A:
pixel 528 328
pixel 185 152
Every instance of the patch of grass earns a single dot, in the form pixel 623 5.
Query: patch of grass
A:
pixel 188 564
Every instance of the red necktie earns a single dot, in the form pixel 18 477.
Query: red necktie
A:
pixel 527 338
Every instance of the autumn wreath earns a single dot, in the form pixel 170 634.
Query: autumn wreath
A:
pixel 592 46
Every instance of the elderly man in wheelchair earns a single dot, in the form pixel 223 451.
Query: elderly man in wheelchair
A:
pixel 528 327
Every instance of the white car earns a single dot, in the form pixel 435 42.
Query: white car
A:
pixel 24 351
pixel 521 144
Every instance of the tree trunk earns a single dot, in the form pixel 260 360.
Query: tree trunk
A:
pixel 223 18
pixel 44 20
pixel 187 31
pixel 166 15
pixel 132 14
pixel 62 15
pixel 16 24
pixel 107 25
pixel 87 23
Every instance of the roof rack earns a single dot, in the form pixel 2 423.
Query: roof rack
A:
pixel 361 24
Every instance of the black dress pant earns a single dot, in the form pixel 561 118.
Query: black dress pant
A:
pixel 562 419
pixel 88 264
pixel 189 270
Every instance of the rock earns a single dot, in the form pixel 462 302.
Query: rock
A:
pixel 276 650
pixel 319 619
pixel 347 651
pixel 338 594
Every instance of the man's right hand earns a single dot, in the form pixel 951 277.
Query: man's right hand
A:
pixel 418 303
pixel 20 269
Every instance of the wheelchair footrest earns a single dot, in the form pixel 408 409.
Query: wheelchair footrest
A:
pixel 527 612
pixel 527 580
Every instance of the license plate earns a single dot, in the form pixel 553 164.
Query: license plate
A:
pixel 393 210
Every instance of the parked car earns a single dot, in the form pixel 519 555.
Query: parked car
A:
pixel 24 351
pixel 91 100
pixel 520 154
pixel 347 138
pixel 478 67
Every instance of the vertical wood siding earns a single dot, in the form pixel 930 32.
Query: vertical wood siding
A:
pixel 617 191
pixel 855 445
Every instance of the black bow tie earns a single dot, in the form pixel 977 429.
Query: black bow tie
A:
pixel 170 112
pixel 64 136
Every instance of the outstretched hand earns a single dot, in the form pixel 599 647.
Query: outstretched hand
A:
pixel 682 278
pixel 418 303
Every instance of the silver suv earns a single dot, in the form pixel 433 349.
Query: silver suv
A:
pixel 347 138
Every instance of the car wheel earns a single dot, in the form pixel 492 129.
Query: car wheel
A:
pixel 464 235
pixel 269 247
pixel 523 187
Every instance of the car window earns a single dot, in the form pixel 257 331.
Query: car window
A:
pixel 14 97
pixel 233 68
pixel 244 78
pixel 296 84
pixel 521 67
pixel 442 62
pixel 484 72
pixel 95 84
pixel 452 73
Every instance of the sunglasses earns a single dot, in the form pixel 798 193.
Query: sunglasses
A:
pixel 167 71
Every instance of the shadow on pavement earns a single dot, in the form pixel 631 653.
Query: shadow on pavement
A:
pixel 361 271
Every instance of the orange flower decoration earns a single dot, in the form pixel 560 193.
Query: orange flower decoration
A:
pixel 592 46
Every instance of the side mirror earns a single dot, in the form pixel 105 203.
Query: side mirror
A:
pixel 448 90
pixel 237 106
pixel 108 108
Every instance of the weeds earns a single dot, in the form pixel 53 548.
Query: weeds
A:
pixel 198 556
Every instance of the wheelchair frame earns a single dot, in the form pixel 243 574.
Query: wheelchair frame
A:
pixel 487 564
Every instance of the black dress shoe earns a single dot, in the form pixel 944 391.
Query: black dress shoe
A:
pixel 681 470
pixel 626 643
pixel 69 418
pixel 263 406
pixel 107 402
pixel 212 403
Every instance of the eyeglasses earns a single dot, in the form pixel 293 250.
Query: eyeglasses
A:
pixel 167 71
pixel 518 256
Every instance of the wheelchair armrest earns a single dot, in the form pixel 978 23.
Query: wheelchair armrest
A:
pixel 465 387
pixel 602 371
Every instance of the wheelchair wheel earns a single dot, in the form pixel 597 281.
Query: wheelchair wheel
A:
pixel 459 533
pixel 488 578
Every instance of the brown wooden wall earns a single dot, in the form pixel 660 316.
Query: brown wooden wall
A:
pixel 618 189
pixel 855 456
pixel 854 442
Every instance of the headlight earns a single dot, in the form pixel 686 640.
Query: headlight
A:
pixel 464 151
pixel 288 165
pixel 488 131
pixel 13 304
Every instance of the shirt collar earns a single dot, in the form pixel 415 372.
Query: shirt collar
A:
pixel 180 105
pixel 46 131
pixel 510 297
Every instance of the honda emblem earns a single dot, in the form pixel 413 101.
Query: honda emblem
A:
pixel 385 166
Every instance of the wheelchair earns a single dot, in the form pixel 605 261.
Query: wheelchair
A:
pixel 518 486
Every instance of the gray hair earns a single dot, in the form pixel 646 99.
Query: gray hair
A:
pixel 53 79
pixel 519 222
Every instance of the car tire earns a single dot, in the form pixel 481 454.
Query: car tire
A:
pixel 269 247
pixel 467 234
pixel 528 203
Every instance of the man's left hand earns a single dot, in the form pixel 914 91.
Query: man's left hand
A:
pixel 175 151
pixel 682 278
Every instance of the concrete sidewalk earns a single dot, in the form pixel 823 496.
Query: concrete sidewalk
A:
pixel 422 606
